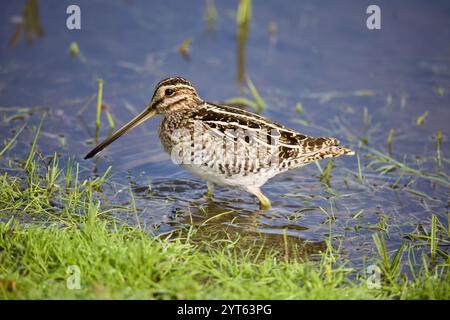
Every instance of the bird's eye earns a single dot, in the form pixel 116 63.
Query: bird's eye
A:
pixel 169 92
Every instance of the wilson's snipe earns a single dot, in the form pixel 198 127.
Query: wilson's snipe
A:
pixel 224 145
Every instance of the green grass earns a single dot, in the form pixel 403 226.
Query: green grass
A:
pixel 389 139
pixel 11 141
pixel 421 119
pixel 243 18
pixel 125 262
pixel 99 103
pixel 74 49
pixel 257 103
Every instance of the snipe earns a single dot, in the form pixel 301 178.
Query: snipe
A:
pixel 224 145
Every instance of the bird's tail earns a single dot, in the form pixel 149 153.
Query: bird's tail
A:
pixel 330 149
pixel 332 152
pixel 341 151
pixel 320 148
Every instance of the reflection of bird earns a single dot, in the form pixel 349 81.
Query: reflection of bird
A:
pixel 224 145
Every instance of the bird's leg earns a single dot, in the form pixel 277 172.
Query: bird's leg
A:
pixel 210 191
pixel 264 202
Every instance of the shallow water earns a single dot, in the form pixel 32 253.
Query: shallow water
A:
pixel 322 55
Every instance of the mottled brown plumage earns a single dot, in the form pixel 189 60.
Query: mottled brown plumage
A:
pixel 225 145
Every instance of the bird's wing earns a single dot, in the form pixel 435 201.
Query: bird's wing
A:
pixel 278 140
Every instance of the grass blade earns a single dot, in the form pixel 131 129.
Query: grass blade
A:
pixel 99 102
pixel 33 146
pixel 13 139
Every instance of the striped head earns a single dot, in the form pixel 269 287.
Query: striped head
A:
pixel 172 95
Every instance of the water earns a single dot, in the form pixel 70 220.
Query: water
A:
pixel 321 55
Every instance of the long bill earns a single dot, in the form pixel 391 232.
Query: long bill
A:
pixel 144 115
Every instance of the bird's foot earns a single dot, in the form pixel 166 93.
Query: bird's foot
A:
pixel 208 195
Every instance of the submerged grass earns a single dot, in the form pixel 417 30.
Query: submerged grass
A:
pixel 211 15
pixel 184 48
pixel 438 143
pixel 384 163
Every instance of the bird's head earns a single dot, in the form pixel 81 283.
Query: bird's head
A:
pixel 171 95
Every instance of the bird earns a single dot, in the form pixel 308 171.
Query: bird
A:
pixel 225 145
